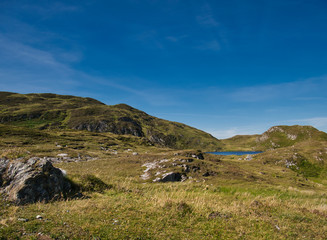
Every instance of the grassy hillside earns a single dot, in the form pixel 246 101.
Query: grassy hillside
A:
pixel 275 137
pixel 240 143
pixel 53 112
pixel 284 136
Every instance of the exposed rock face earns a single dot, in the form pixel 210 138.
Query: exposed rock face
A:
pixel 31 181
pixel 161 139
pixel 124 125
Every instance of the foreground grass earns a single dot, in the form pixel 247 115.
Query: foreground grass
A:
pixel 231 205
pixel 174 212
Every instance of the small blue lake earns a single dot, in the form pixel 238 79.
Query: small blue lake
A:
pixel 234 153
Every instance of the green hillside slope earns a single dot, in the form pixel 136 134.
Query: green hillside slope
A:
pixel 274 137
pixel 52 111
pixel 284 136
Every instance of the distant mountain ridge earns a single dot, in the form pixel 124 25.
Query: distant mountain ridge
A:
pixel 52 111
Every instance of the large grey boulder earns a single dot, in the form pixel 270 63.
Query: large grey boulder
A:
pixel 31 181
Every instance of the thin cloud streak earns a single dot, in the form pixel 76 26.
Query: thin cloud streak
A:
pixel 288 90
pixel 211 46
pixel 25 55
pixel 316 121
pixel 42 71
pixel 206 17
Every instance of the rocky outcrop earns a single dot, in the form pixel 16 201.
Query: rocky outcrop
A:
pixel 31 181
pixel 171 177
pixel 161 139
pixel 176 169
pixel 122 126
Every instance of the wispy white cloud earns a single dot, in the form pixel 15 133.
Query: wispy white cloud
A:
pixel 210 45
pixel 24 68
pixel 315 121
pixel 289 90
pixel 26 55
pixel 206 17
pixel 49 8
pixel 308 98
pixel 175 38
pixel 149 39
pixel 172 39
pixel 212 28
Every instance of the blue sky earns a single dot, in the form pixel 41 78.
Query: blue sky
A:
pixel 227 67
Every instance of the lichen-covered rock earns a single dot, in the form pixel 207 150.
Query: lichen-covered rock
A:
pixel 31 181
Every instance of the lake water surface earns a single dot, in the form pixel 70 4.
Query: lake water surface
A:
pixel 235 153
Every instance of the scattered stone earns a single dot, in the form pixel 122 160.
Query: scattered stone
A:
pixel 39 217
pixel 22 219
pixel 209 173
pixel 290 163
pixel 195 168
pixel 135 154
pixel 186 168
pixel 198 156
pixel 164 160
pixel 184 178
pixel 248 157
pixel 62 155
pixel 145 176
pixel 156 179
pixel 278 228
pixel 292 136
pixel 152 165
